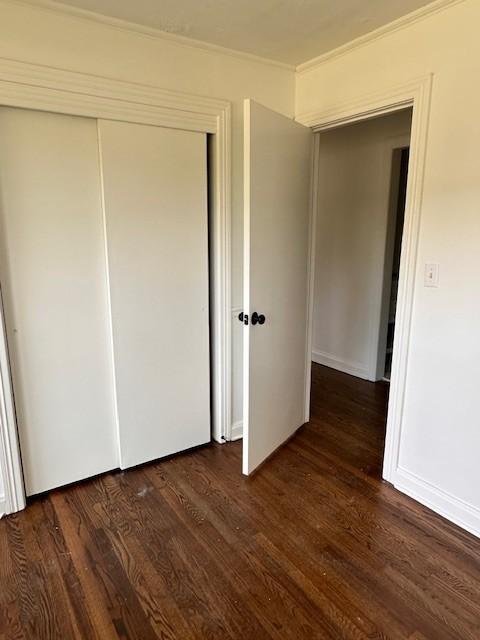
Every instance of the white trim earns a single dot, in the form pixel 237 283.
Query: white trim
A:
pixel 370 105
pixel 221 241
pixel 247 115
pixel 347 366
pixel 147 32
pixel 48 89
pixel 417 94
pixel 379 323
pixel 31 86
pixel 10 462
pixel 237 430
pixel 408 264
pixel 454 509
pixel 311 260
pixel 385 30
pixel 233 426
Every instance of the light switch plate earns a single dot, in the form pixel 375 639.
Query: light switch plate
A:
pixel 431 275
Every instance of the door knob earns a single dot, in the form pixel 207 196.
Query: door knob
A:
pixel 243 317
pixel 258 318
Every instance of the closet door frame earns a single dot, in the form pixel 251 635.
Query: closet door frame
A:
pixel 40 88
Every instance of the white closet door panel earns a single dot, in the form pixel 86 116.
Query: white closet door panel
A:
pixel 53 272
pixel 155 189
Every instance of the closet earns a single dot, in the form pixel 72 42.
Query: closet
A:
pixel 104 275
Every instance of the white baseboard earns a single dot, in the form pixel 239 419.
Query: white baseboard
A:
pixel 237 430
pixel 454 509
pixel 329 360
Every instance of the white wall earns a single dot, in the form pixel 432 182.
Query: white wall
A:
pixel 354 175
pixel 46 37
pixel 441 428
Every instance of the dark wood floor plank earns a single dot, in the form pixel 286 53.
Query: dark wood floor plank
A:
pixel 315 545
pixel 331 614
pixel 230 571
pixel 113 505
pixel 286 524
pixel 189 595
pixel 38 614
pixel 11 627
pixel 201 595
pixel 78 541
pixel 311 541
pixel 272 602
pixel 121 597
pixel 54 558
pixel 437 631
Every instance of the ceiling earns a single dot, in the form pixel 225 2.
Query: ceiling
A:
pixel 290 31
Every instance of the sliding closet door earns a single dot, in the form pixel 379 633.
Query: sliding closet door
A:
pixel 53 275
pixel 155 190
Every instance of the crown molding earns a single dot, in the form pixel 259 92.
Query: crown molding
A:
pixel 191 43
pixel 401 23
pixel 26 74
pixel 144 31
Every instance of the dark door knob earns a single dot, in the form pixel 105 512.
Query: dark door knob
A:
pixel 258 318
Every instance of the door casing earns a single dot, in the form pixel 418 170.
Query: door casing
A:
pixel 416 95
pixel 378 333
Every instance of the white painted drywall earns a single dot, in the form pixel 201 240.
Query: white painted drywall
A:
pixel 440 441
pixel 44 36
pixel 353 203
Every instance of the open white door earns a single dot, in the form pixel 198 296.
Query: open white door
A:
pixel 278 157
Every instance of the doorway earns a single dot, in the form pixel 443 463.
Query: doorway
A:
pixel 362 172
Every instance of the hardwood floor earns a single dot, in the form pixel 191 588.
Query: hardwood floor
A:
pixel 313 546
